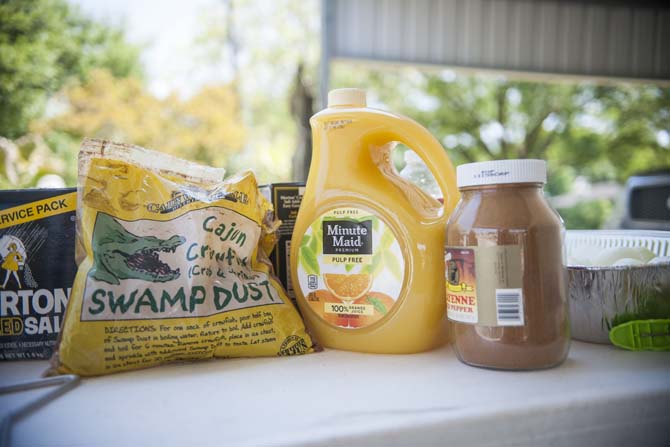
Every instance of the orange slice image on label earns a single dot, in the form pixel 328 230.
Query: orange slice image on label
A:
pixel 348 287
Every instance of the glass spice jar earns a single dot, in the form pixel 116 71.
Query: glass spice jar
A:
pixel 505 268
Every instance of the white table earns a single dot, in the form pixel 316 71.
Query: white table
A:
pixel 599 396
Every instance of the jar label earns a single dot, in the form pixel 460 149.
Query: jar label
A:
pixel 484 285
pixel 350 267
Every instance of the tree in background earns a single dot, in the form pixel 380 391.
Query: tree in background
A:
pixel 204 128
pixel 601 132
pixel 43 44
pixel 302 109
pixel 249 49
pixel 90 80
pixel 604 132
pixel 264 43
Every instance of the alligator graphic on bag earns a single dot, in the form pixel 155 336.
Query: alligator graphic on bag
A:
pixel 119 254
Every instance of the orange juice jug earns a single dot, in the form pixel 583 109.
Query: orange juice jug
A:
pixel 367 251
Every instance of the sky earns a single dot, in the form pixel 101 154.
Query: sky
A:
pixel 166 29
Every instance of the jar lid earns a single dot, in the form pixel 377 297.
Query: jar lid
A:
pixel 500 172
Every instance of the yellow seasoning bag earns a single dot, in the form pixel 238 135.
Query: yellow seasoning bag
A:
pixel 173 267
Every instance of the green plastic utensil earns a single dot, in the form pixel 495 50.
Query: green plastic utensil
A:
pixel 642 335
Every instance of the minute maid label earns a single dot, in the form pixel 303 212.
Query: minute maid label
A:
pixel 350 267
pixel 347 241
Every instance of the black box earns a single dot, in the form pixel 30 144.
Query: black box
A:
pixel 37 269
pixel 286 199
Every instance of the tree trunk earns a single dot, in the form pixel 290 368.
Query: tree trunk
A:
pixel 302 109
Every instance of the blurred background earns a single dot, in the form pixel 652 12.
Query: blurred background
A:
pixel 232 83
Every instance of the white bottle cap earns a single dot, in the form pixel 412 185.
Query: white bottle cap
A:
pixel 353 97
pixel 498 172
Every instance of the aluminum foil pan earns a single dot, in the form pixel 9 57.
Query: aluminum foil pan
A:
pixel 603 297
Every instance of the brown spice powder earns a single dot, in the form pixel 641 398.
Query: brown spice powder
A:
pixel 516 214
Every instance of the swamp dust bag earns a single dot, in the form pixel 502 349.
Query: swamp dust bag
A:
pixel 173 267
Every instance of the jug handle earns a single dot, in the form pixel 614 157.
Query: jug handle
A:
pixel 416 137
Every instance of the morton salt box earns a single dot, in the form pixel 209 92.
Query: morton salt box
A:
pixel 37 268
pixel 286 199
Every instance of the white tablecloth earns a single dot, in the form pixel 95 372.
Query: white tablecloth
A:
pixel 599 396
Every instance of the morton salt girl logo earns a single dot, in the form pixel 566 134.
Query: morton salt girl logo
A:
pixel 16 272
pixel 12 260
pixel 460 284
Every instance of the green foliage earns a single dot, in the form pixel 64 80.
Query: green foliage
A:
pixel 43 43
pixel 603 132
pixel 560 180
pixel 586 215
pixel 581 129
pixel 24 160
pixel 206 127
pixel 92 75
pixel 64 147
